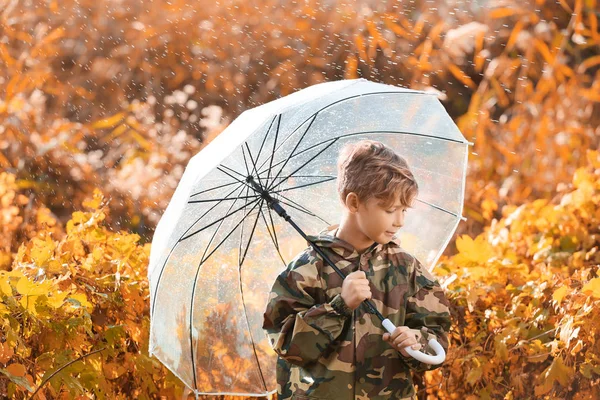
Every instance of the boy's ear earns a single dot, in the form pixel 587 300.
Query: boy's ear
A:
pixel 352 202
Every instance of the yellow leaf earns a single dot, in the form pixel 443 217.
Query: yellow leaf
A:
pixel 556 372
pixel 27 287
pixel 82 300
pixel 42 250
pixel 474 375
pixel 28 303
pixel 593 157
pixel 5 287
pixel 559 294
pixel 592 287
pixel 95 202
pixel 536 351
pixel 478 250
pixel 57 299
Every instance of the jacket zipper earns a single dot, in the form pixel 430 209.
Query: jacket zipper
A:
pixel 354 354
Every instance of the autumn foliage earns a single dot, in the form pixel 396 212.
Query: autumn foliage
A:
pixel 526 301
pixel 102 103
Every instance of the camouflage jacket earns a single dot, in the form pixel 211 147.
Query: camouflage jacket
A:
pixel 326 352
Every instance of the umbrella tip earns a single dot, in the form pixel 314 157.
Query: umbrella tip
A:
pixel 471 143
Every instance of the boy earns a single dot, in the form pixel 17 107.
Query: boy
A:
pixel 328 346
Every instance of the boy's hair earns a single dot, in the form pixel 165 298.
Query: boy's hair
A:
pixel 371 169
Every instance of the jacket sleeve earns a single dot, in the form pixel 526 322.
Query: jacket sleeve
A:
pixel 427 310
pixel 298 327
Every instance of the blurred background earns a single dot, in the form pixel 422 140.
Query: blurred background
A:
pixel 118 95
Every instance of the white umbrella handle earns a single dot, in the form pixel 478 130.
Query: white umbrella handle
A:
pixel 440 354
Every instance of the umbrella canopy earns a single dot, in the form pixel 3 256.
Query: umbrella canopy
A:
pixel 218 247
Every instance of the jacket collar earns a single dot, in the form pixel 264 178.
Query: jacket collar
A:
pixel 327 238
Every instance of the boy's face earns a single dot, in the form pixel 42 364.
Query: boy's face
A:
pixel 377 222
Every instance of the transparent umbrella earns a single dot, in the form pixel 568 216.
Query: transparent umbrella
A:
pixel 239 214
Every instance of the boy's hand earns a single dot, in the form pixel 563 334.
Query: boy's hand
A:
pixel 403 337
pixel 355 289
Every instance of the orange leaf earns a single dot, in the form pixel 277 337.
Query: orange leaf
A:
pixel 514 34
pixel 351 71
pixel 461 76
pixel 589 63
pixel 17 369
pixel 504 12
pixel 397 29
pixel 544 50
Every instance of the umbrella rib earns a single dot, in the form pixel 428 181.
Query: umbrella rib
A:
pixel 305 185
pixel 273 239
pixel 251 234
pixel 217 221
pixel 295 147
pixel 245 161
pixel 237 179
pixel 178 241
pixel 253 164
pixel 301 208
pixel 194 290
pixel 264 141
pixel 220 224
pixel 259 151
pixel 273 152
pixel 213 188
pixel 229 234
pixel 223 199
pixel 303 165
pixel 232 170
pixel 438 207
pixel 242 230
pixel 300 153
pixel 273 226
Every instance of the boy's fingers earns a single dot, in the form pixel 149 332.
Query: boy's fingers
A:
pixel 406 339
pixel 357 275
pixel 398 331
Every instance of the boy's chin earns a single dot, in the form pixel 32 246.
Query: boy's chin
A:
pixel 384 239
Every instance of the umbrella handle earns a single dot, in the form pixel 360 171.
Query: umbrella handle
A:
pixel 440 354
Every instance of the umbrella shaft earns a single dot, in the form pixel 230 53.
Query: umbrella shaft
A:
pixel 370 307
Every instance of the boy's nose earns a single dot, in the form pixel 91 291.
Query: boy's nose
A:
pixel 398 222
